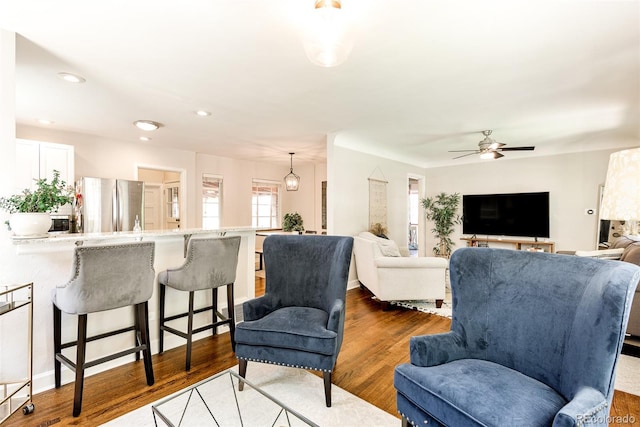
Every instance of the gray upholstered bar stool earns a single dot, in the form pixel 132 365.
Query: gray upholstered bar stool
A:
pixel 104 278
pixel 210 263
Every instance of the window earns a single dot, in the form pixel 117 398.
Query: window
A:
pixel 265 207
pixel 211 201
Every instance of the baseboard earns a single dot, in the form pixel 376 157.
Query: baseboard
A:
pixel 353 284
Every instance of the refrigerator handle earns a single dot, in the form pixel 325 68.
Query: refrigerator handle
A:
pixel 115 216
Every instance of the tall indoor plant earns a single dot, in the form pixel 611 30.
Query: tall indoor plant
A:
pixel 30 210
pixel 443 211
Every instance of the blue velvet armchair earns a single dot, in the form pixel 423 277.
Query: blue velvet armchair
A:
pixel 534 341
pixel 299 321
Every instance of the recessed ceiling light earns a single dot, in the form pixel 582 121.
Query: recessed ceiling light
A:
pixel 145 138
pixel 72 78
pixel 202 113
pixel 147 125
pixel 45 122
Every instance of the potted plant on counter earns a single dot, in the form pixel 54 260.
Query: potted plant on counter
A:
pixel 292 222
pixel 31 210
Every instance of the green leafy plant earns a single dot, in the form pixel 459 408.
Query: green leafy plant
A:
pixel 292 222
pixel 47 197
pixel 443 211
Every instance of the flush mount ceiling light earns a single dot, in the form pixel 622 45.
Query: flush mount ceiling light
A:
pixel 327 40
pixel 291 181
pixel 147 125
pixel 202 113
pixel 71 78
pixel 46 122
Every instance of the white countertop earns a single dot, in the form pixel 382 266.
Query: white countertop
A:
pixel 74 238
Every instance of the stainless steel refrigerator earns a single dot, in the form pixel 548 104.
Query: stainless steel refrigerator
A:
pixel 106 205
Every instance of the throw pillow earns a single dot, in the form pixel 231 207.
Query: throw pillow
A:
pixel 388 247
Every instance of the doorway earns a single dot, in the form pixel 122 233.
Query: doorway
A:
pixel 414 216
pixel 162 201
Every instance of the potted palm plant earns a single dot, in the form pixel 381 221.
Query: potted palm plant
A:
pixel 443 211
pixel 292 222
pixel 30 211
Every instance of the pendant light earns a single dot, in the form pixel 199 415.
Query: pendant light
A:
pixel 292 181
pixel 326 39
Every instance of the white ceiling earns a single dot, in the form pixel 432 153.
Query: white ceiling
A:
pixel 424 77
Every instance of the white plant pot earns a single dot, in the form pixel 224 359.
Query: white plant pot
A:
pixel 35 224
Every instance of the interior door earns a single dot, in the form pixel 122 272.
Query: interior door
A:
pixel 172 206
pixel 152 207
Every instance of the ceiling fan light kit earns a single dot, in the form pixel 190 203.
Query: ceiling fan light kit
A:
pixel 490 149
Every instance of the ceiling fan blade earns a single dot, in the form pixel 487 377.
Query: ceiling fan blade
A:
pixel 529 148
pixel 463 151
pixel 465 155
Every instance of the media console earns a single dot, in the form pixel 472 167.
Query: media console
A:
pixel 518 243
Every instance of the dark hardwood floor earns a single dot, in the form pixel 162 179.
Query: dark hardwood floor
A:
pixel 375 342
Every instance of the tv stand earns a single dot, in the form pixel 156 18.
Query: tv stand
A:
pixel 519 244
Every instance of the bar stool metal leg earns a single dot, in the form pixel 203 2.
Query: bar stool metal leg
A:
pixel 214 309
pixel 189 331
pixel 163 289
pixel 232 315
pixel 57 344
pixel 142 315
pixel 80 358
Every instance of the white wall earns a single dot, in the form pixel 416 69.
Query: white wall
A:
pixel 237 180
pixel 349 172
pixel 7 186
pixel 96 156
pixel 572 180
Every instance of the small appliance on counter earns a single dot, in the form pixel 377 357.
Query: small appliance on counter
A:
pixel 60 223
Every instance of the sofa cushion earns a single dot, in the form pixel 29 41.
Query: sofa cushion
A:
pixel 623 242
pixel 387 247
pixel 304 327
pixel 489 393
pixel 631 254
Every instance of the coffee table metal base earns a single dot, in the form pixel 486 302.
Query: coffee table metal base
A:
pixel 217 401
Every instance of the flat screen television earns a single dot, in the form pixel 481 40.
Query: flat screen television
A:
pixel 515 214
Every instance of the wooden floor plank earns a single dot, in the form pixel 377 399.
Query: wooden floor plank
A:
pixel 375 342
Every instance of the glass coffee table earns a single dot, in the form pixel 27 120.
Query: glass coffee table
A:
pixel 217 401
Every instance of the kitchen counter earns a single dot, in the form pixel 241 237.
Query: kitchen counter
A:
pixel 36 244
pixel 47 262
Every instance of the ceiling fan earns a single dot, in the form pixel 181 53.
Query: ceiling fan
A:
pixel 489 148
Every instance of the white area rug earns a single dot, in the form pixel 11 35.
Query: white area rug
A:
pixel 429 306
pixel 299 390
pixel 426 307
pixel 628 374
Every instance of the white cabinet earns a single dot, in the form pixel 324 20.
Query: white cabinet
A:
pixel 36 159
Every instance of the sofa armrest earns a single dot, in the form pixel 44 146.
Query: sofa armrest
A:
pixel 259 307
pixel 588 407
pixel 603 254
pixel 411 262
pixel 432 350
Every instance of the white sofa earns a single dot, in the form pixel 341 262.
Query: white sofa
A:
pixel 391 277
